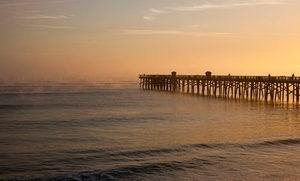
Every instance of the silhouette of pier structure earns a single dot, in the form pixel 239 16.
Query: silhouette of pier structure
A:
pixel 266 88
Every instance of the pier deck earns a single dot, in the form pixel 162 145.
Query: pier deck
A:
pixel 267 88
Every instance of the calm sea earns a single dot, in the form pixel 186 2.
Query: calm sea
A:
pixel 87 132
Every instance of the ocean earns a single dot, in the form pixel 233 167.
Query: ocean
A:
pixel 99 132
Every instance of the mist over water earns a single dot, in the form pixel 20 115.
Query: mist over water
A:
pixel 101 132
pixel 43 87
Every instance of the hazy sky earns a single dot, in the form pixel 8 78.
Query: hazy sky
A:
pixel 99 39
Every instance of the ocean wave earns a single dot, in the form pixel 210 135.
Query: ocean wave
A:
pixel 150 152
pixel 167 151
pixel 148 163
pixel 279 142
pixel 282 142
pixel 132 172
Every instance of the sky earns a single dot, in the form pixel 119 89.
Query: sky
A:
pixel 68 40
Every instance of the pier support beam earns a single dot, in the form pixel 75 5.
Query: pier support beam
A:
pixel 174 81
pixel 280 89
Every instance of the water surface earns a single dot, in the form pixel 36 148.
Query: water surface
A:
pixel 132 134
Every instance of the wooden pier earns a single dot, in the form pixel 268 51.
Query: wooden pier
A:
pixel 283 89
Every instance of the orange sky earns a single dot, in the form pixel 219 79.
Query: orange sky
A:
pixel 110 39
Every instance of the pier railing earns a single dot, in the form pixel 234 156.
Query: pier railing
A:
pixel 226 77
pixel 268 88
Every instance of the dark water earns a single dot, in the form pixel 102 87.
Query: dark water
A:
pixel 131 134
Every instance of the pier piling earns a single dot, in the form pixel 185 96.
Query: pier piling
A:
pixel 266 88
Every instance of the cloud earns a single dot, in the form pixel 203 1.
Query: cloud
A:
pixel 152 13
pixel 41 16
pixel 156 11
pixel 38 15
pixel 49 27
pixel 222 6
pixel 174 32
pixel 36 3
pixel 148 17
